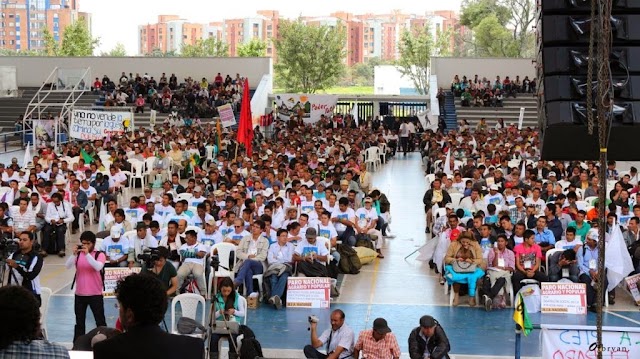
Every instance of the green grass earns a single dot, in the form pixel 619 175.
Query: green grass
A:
pixel 341 90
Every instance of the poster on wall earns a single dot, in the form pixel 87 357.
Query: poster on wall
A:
pixel 44 132
pixel 96 125
pixel 308 107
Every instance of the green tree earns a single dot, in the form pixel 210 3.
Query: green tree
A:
pixel 118 51
pixel 416 46
pixel 210 47
pixel 253 48
pixel 500 27
pixel 51 46
pixel 76 41
pixel 156 52
pixel 310 58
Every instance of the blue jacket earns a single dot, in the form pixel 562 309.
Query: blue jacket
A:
pixel 545 236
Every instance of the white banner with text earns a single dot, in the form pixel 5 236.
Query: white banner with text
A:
pixel 96 125
pixel 577 341
pixel 308 292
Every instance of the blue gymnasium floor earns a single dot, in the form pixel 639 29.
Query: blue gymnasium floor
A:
pixel 399 290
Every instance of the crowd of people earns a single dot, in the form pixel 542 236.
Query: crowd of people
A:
pixel 496 211
pixel 190 98
pixel 478 92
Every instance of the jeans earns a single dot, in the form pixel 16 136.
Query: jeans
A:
pixel 312 353
pixel 404 143
pixel 96 303
pixel 48 243
pixel 278 284
pixel 249 268
pixel 381 225
pixel 76 216
pixel 348 236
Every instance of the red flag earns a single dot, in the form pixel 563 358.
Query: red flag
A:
pixel 245 129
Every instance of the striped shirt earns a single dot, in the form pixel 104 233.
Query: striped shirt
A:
pixel 386 348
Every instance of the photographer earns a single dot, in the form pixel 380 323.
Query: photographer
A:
pixel 337 340
pixel 26 265
pixel 162 269
pixel 140 242
pixel 89 263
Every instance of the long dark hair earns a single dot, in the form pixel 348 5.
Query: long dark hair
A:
pixel 231 299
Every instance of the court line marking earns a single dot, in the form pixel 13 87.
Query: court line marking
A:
pixel 372 291
pixel 624 317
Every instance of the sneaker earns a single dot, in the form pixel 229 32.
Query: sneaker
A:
pixel 61 254
pixel 277 302
pixel 43 254
pixel 441 281
pixel 487 303
pixel 272 301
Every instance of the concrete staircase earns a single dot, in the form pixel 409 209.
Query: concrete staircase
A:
pixel 509 112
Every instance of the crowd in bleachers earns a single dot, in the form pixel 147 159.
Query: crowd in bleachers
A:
pixel 500 215
pixel 478 92
pixel 189 97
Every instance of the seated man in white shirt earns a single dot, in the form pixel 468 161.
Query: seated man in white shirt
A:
pixel 279 258
pixel 311 255
pixel 343 219
pixel 134 213
pixel 211 235
pixel 116 247
pixel 140 241
pixel 366 218
pixel 59 216
pixel 192 256
pixel 238 232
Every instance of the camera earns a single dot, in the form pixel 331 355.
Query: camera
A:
pixel 149 256
pixel 7 246
pixel 215 262
pixel 313 319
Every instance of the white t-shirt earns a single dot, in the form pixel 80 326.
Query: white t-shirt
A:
pixel 306 206
pixel 177 217
pixel 194 202
pixel 327 232
pixel 349 215
pixel 164 211
pixel 134 215
pixel 188 253
pixel 116 250
pixel 89 191
pixel 305 248
pixel 237 236
pixel 540 204
pixel 364 216
pixel 208 240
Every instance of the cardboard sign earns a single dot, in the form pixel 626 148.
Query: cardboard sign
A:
pixel 96 125
pixel 565 298
pixel 112 276
pixel 307 292
pixel 632 283
pixel 227 117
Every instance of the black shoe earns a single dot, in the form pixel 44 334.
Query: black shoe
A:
pixel 427 231
pixel 593 308
pixel 432 265
pixel 612 300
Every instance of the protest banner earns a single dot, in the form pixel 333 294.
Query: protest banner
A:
pixel 96 125
pixel 307 292
pixel 308 107
pixel 572 342
pixel 112 276
pixel 227 117
pixel 565 298
pixel 632 283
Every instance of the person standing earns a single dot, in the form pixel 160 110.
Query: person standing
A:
pixel 428 340
pixel 20 339
pixel 377 343
pixel 337 340
pixel 404 136
pixel 89 282
pixel 26 265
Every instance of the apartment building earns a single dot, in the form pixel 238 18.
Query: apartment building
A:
pixel 24 21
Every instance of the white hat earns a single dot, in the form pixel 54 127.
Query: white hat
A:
pixel 267 192
pixel 552 174
pixel 116 231
pixel 593 234
pixel 493 187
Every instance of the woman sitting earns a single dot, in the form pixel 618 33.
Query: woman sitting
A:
pixel 464 265
pixel 227 307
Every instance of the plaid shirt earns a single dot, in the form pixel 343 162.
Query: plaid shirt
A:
pixel 386 348
pixel 518 216
pixel 37 349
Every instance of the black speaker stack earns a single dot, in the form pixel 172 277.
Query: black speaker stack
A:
pixel 563 28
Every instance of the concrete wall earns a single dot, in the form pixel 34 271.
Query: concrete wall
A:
pixel 447 67
pixel 33 71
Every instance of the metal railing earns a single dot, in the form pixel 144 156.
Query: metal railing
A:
pixel 11 141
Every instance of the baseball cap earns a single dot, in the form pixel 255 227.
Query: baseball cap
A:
pixel 552 174
pixel 427 321
pixel 240 184
pixel 311 233
pixel 380 326
pixel 493 187
pixel 455 233
pixel 593 234
pixel 344 182
pixel 115 232
pixel 211 222
pixel 449 206
pixel 24 190
pixel 368 199
pixel 197 189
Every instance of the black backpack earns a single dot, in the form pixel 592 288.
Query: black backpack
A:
pixel 349 260
pixel 251 348
pixel 364 240
pixel 101 270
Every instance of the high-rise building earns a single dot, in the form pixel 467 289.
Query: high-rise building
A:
pixel 24 21
pixel 263 26
pixel 168 34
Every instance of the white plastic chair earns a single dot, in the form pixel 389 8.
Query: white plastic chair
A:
pixel 224 253
pixel 455 199
pixel 45 296
pixel 138 172
pixel 189 303
pixel 372 155
pixel 590 200
pixel 550 252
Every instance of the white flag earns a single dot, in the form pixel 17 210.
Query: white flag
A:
pixel 617 260
pixel 447 163
pixel 524 170
pixel 27 155
pixel 103 212
pixel 354 113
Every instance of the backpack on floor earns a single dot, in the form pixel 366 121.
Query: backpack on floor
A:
pixel 349 260
pixel 364 240
pixel 250 348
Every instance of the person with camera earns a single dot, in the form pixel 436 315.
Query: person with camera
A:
pixel 155 262
pixel 59 215
pixel 88 280
pixel 337 340
pixel 6 222
pixel 227 307
pixel 428 340
pixel 142 302
pixel 19 307
pixel 25 266
pixel 192 256
pixel 140 242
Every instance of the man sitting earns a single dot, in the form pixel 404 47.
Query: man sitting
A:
pixel 528 256
pixel 192 256
pixel 563 265
pixel 279 258
pixel 310 255
pixel 589 268
pixel 501 264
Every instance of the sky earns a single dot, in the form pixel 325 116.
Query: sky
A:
pixel 116 21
